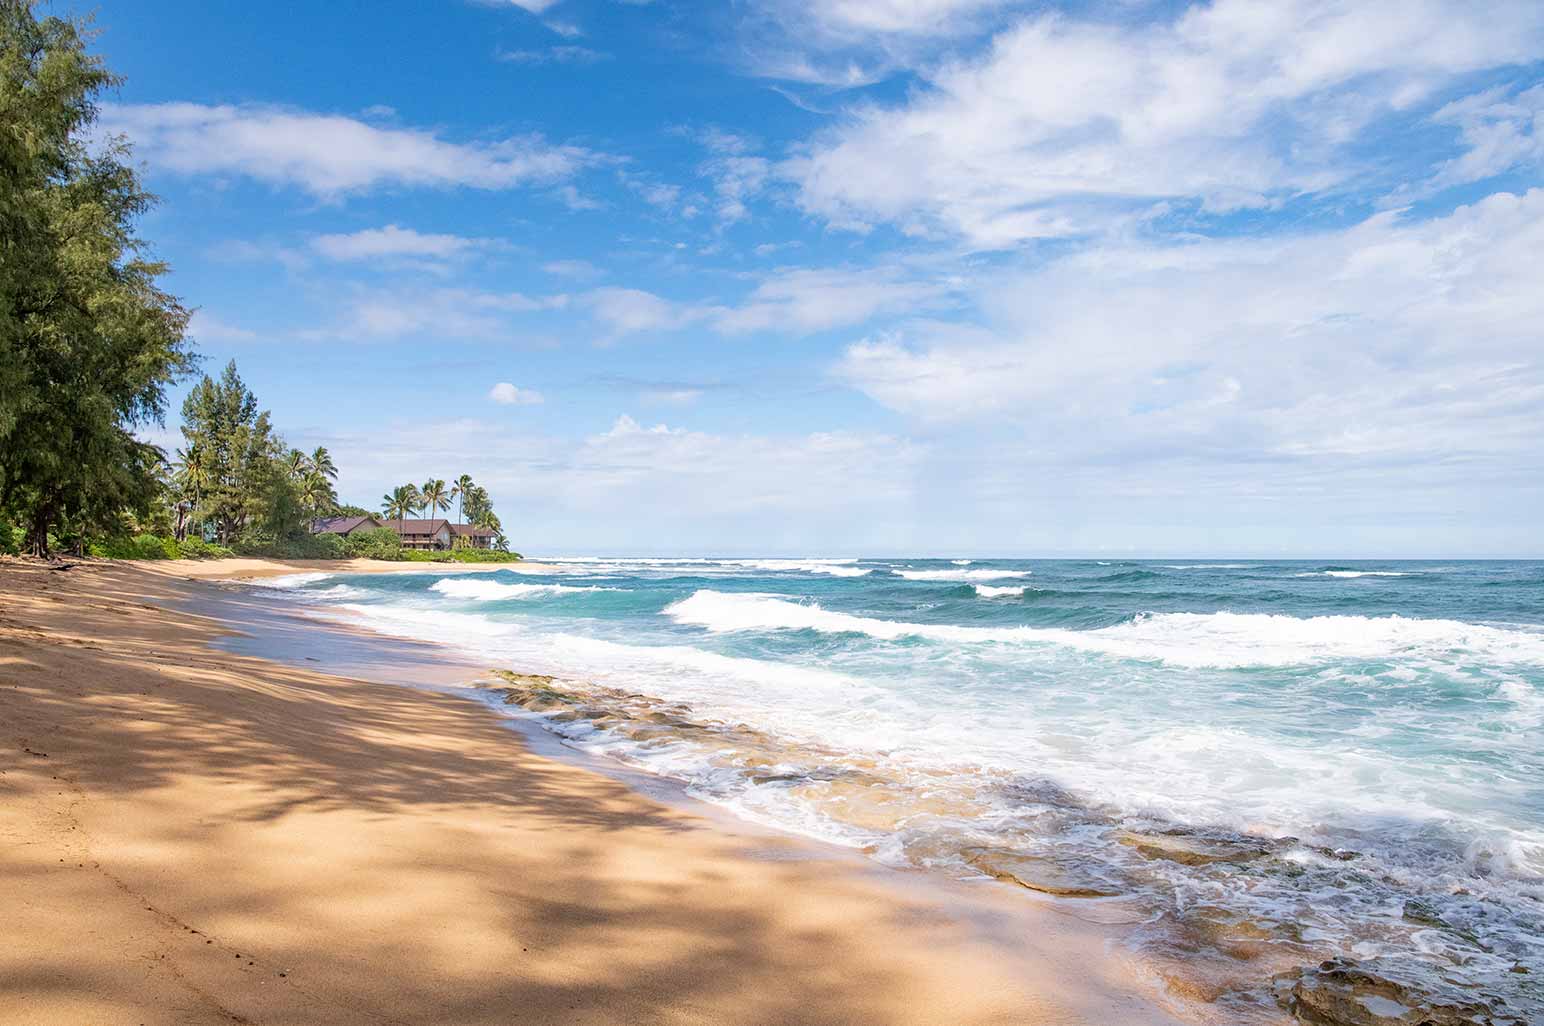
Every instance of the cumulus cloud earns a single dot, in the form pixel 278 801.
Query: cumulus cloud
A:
pixel 509 395
pixel 1065 126
pixel 329 154
pixel 1391 341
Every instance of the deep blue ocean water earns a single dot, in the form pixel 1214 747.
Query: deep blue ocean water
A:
pixel 1272 761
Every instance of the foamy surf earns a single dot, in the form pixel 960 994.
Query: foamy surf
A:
pixel 492 591
pixel 961 575
pixel 1219 640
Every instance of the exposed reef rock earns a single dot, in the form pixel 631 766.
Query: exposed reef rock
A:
pixel 1342 992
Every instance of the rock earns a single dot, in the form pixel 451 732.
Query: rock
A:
pixel 1035 874
pixel 1341 992
pixel 1192 849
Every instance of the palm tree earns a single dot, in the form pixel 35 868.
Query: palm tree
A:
pixel 458 490
pixel 192 472
pixel 321 463
pixel 477 504
pixel 399 502
pixel 433 497
pixel 317 495
pixel 297 464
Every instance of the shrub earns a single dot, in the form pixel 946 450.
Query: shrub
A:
pixel 379 543
pixel 305 546
pixel 483 556
pixel 140 546
pixel 197 548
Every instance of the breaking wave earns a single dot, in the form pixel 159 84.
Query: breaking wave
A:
pixel 493 591
pixel 1216 640
pixel 962 575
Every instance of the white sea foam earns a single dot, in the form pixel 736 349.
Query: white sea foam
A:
pixel 1209 566
pixel 1220 640
pixel 962 575
pixel 962 562
pixel 1354 573
pixel 288 581
pixel 1007 591
pixel 477 590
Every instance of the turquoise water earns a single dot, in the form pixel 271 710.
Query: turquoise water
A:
pixel 1273 762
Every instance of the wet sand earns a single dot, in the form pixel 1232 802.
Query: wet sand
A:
pixel 190 833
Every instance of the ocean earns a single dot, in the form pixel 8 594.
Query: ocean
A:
pixel 1267 763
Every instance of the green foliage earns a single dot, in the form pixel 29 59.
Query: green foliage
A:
pixel 379 543
pixel 244 485
pixel 140 546
pixel 401 502
pixel 10 536
pixel 197 548
pixel 88 342
pixel 481 556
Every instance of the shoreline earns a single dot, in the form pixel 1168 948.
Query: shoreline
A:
pixel 200 780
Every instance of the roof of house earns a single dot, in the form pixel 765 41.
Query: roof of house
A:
pixel 342 525
pixel 471 531
pixel 416 526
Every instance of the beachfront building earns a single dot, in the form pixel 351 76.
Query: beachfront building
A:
pixel 344 526
pixel 476 537
pixel 433 535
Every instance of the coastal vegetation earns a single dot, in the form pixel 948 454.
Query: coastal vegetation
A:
pixel 90 344
pixel 89 341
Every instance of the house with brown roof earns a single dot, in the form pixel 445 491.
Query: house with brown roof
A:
pixel 434 535
pixel 344 526
pixel 476 537
pixel 422 534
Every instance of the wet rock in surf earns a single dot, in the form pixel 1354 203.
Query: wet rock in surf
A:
pixel 1342 992
pixel 1036 874
pixel 1193 849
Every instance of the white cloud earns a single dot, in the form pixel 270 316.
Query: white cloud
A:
pixel 850 18
pixel 1412 343
pixel 793 301
pixel 707 491
pixel 804 300
pixel 1501 132
pixel 1066 126
pixel 554 55
pixel 394 242
pixel 329 154
pixel 509 395
pixel 455 313
pixel 624 311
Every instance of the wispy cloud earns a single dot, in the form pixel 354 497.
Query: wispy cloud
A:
pixel 554 55
pixel 392 242
pixel 329 154
pixel 1390 341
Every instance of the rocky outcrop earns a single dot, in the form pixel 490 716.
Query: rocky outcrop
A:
pixel 1342 992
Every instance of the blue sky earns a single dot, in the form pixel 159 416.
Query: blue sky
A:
pixel 846 277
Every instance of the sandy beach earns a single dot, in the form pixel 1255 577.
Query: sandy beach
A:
pixel 189 835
